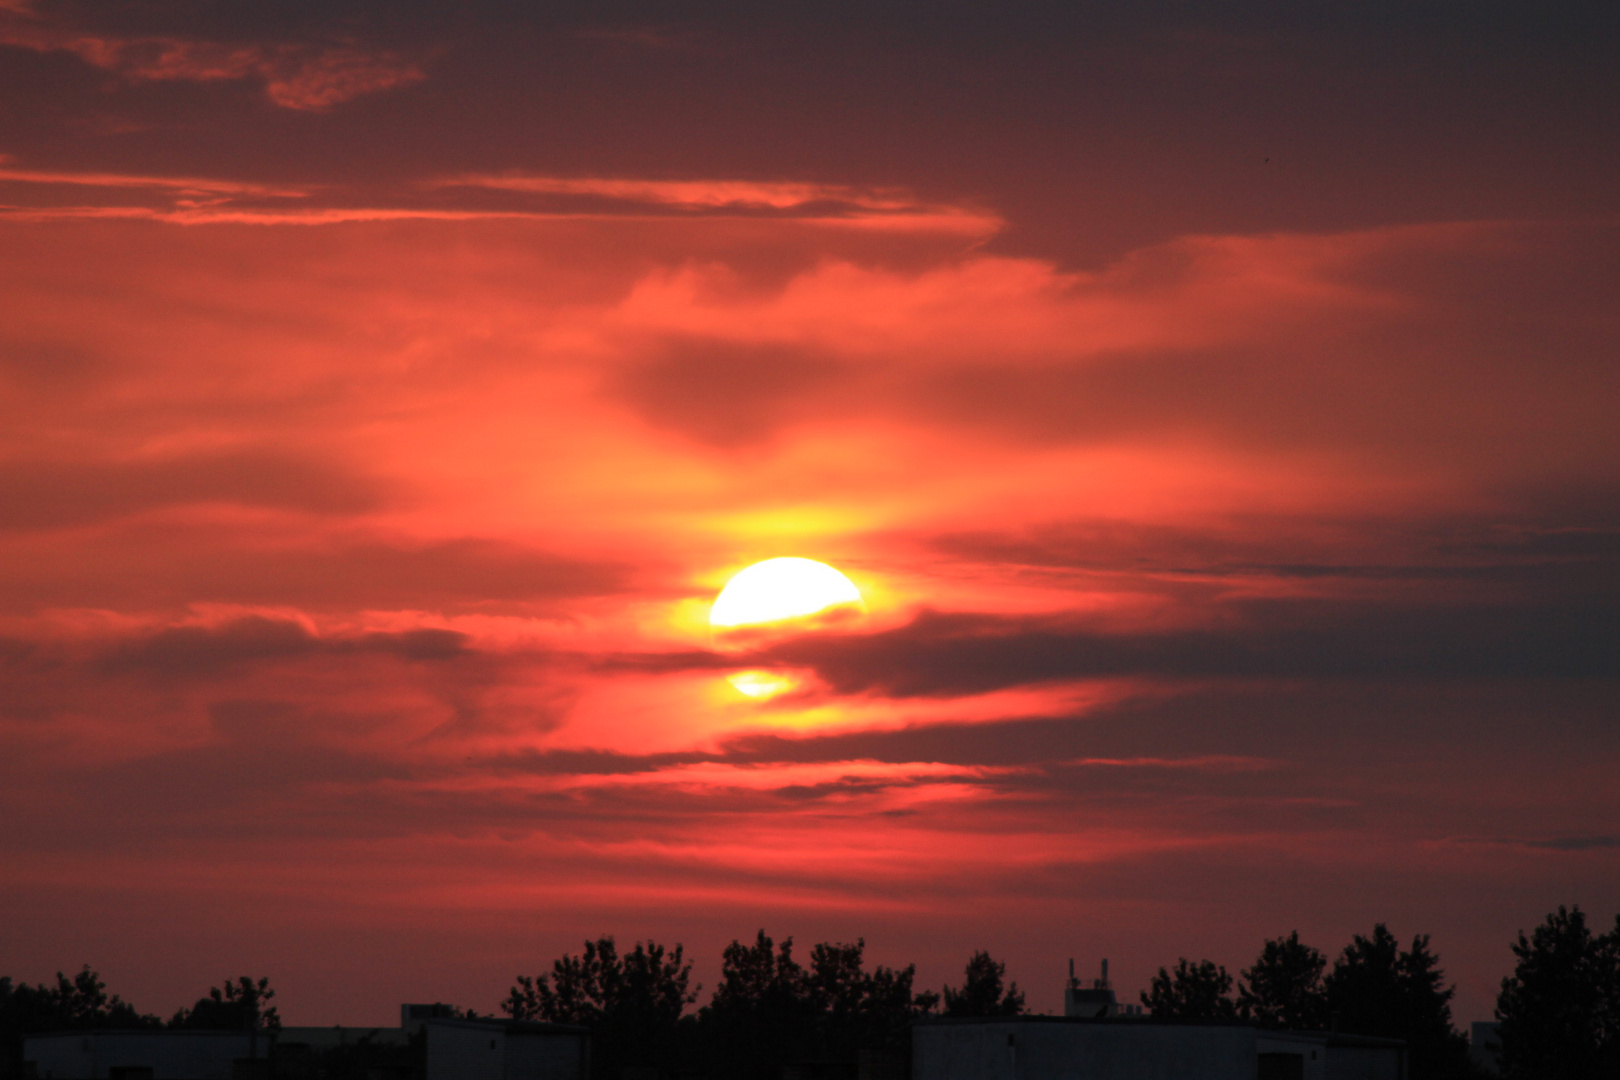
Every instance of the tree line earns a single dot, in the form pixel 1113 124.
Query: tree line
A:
pixel 1559 1011
pixel 81 1003
pixel 767 1012
pixel 1375 987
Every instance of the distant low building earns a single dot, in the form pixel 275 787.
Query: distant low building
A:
pixel 505 1050
pixel 141 1055
pixel 431 1043
pixel 336 1037
pixel 1074 1048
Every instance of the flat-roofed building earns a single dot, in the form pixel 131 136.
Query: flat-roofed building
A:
pixel 1067 1048
pixel 505 1050
pixel 141 1055
pixel 429 1044
pixel 337 1036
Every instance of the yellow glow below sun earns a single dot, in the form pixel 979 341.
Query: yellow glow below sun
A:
pixel 762 684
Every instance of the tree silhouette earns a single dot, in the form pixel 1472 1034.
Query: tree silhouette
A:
pixel 856 1009
pixel 1560 1009
pixel 1199 991
pixel 1284 987
pixel 648 984
pixel 1375 988
pixel 631 1003
pixel 981 993
pixel 75 1004
pixel 760 978
pixel 837 982
pixel 890 993
pixel 237 1006
pixel 762 1012
pixel 72 1004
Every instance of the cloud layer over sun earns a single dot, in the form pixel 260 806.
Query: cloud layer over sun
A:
pixel 358 529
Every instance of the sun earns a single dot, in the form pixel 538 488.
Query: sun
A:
pixel 778 590
pixel 776 599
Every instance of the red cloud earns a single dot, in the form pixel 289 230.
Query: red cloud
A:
pixel 387 545
pixel 872 208
pixel 295 76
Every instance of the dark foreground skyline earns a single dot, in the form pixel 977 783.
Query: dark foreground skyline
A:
pixel 776 1008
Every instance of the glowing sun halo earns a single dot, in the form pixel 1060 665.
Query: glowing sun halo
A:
pixel 772 599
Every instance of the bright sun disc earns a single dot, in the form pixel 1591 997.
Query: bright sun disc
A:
pixel 780 589
pixel 775 599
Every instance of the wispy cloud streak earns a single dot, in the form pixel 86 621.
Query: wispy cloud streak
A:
pixel 307 77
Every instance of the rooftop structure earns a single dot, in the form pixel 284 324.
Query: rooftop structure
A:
pixel 1096 1001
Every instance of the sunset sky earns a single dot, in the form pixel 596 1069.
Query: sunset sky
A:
pixel 1216 406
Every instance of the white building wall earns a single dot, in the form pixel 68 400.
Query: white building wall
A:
pixel 1365 1063
pixel 1036 1049
pixel 330 1038
pixel 1315 1062
pixel 531 1056
pixel 1014 1050
pixel 171 1055
pixel 463 1051
pixel 474 1050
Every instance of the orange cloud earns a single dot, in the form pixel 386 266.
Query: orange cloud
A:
pixel 890 209
pixel 739 194
pixel 44 196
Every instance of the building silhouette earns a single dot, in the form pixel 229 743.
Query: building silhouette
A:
pixel 431 1043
